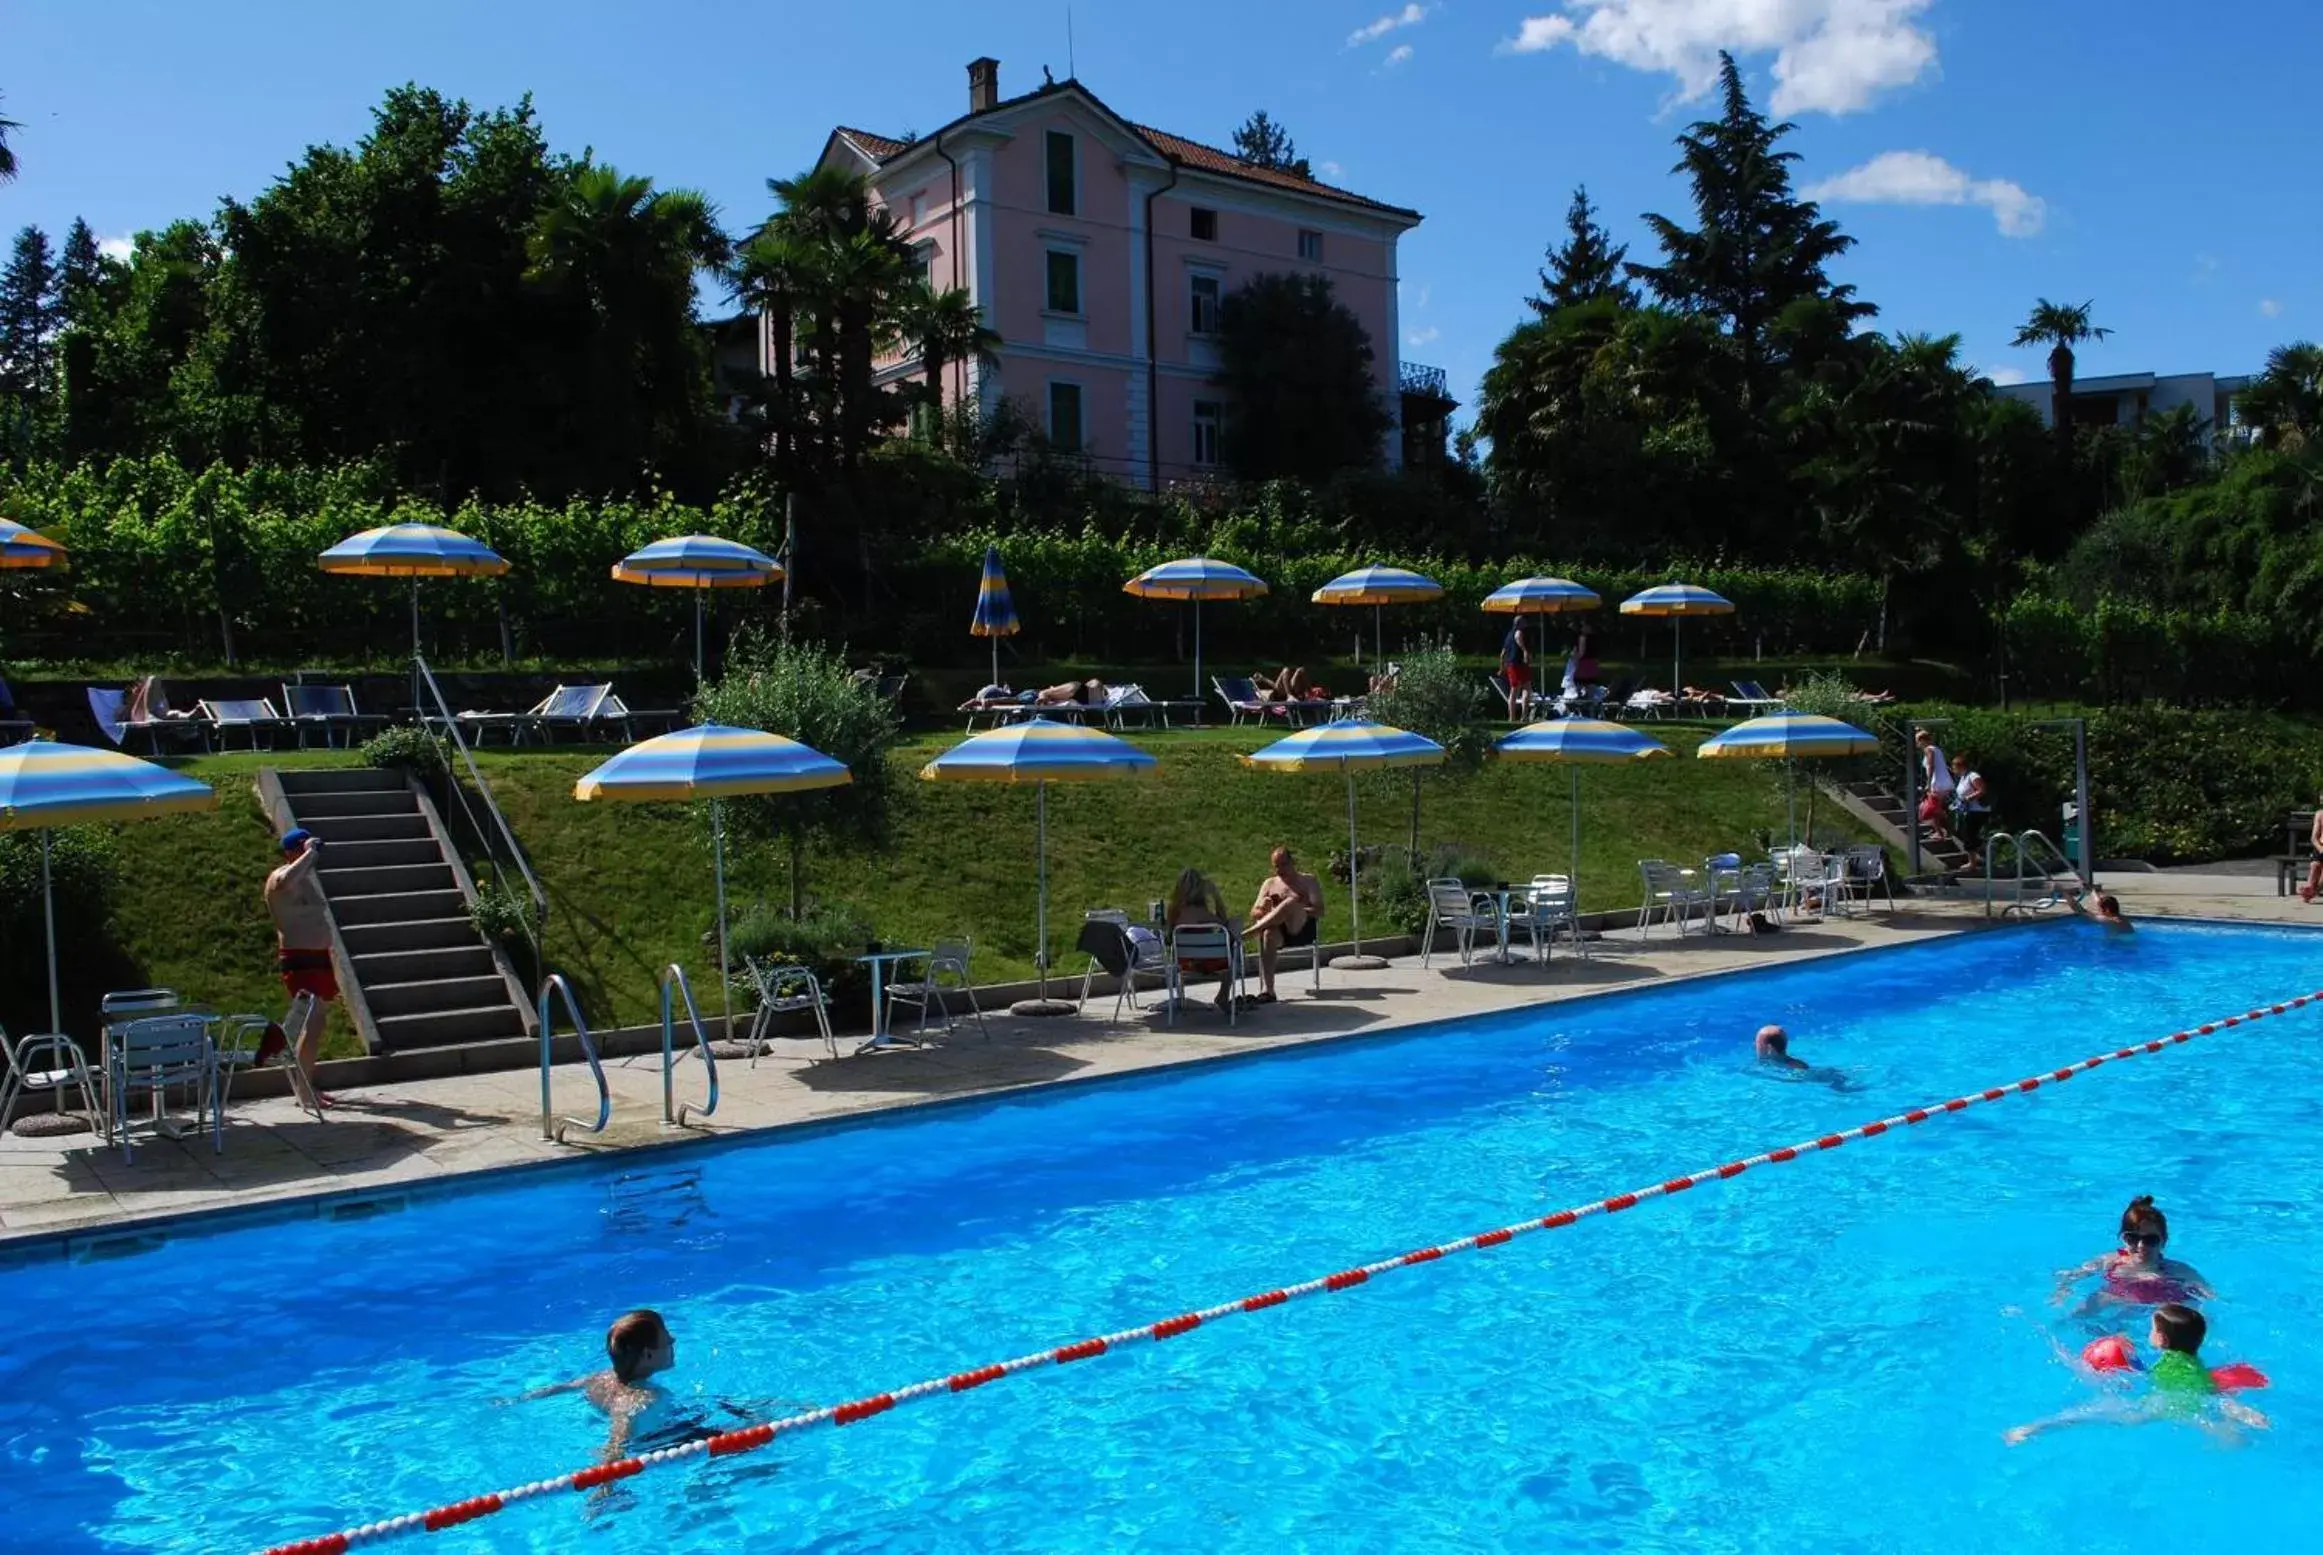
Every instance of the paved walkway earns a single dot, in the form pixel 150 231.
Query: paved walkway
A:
pixel 386 1137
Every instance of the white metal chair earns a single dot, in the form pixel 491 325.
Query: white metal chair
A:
pixel 1747 889
pixel 1203 947
pixel 146 1057
pixel 1803 873
pixel 1670 891
pixel 44 1061
pixel 1138 956
pixel 1864 867
pixel 943 975
pixel 1451 905
pixel 1545 904
pixel 784 987
pixel 234 1031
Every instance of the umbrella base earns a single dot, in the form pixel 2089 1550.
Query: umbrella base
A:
pixel 1043 1008
pixel 1359 963
pixel 49 1125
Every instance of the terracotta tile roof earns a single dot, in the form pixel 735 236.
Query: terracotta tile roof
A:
pixel 1209 159
pixel 879 147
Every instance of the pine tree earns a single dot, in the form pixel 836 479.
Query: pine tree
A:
pixel 28 318
pixel 1263 143
pixel 1586 266
pixel 1758 250
pixel 79 264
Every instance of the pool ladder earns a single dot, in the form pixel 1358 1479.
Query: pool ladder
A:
pixel 2026 848
pixel 673 988
pixel 554 990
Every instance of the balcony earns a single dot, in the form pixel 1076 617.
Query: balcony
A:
pixel 1421 381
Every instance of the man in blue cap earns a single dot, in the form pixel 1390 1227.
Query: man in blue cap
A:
pixel 302 925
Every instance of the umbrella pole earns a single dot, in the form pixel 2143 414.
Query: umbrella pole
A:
pixel 1575 806
pixel 418 711
pixel 697 638
pixel 1197 659
pixel 56 1013
pixel 718 854
pixel 995 680
pixel 1791 798
pixel 1356 960
pixel 1378 638
pixel 1677 654
pixel 1043 1005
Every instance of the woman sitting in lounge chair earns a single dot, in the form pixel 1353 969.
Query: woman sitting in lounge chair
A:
pixel 1192 901
pixel 1288 684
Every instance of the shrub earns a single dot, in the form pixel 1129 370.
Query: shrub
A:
pixel 85 867
pixel 406 748
pixel 824 940
pixel 1396 886
pixel 503 916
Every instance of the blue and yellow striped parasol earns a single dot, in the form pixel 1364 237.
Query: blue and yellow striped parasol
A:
pixel 44 785
pixel 712 762
pixel 1349 746
pixel 1677 601
pixel 1039 751
pixel 1578 743
pixel 1377 587
pixel 995 612
pixel 413 551
pixel 1785 737
pixel 698 562
pixel 22 547
pixel 1195 578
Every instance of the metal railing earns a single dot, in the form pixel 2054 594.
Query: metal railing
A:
pixel 553 1127
pixel 498 839
pixel 2025 853
pixel 1420 378
pixel 673 987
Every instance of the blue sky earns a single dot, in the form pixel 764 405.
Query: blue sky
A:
pixel 2142 155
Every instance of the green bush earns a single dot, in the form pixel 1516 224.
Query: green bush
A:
pixel 84 864
pixel 1395 887
pixel 406 748
pixel 825 941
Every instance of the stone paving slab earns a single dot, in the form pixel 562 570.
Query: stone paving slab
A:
pixel 386 1137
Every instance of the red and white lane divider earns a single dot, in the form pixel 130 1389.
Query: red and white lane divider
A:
pixel 756 1436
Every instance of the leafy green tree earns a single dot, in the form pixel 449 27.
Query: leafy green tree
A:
pixel 2059 326
pixel 1433 695
pixel 2285 402
pixel 1586 267
pixel 1297 367
pixel 1263 143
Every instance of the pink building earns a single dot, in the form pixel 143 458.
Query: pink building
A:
pixel 1099 250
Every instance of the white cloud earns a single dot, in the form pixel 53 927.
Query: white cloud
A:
pixel 2269 308
pixel 1830 56
pixel 1372 32
pixel 1421 337
pixel 1923 178
pixel 1330 170
pixel 1397 55
pixel 2005 375
pixel 117 248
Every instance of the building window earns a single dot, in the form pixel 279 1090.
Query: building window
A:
pixel 1065 417
pixel 1208 414
pixel 1064 282
pixel 1310 244
pixel 1205 227
pixel 1061 179
pixel 919 208
pixel 1205 304
pixel 923 259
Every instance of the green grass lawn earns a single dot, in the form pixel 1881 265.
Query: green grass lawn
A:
pixel 630 886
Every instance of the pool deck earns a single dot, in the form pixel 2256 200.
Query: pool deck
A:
pixel 69 1195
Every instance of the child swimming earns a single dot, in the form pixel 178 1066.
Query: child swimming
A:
pixel 2179 1386
pixel 2138 1275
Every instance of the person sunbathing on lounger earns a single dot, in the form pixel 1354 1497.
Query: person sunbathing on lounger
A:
pixel 1073 693
pixel 1288 684
pixel 1288 908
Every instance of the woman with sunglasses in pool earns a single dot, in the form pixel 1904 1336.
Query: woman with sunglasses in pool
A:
pixel 2138 1275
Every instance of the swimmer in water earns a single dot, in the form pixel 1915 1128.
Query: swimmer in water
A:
pixel 640 1345
pixel 2138 1275
pixel 2179 1386
pixel 2108 913
pixel 1773 1047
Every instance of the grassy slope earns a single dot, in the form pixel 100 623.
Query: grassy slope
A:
pixel 630 885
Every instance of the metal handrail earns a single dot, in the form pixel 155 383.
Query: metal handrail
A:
pixel 2021 844
pixel 673 976
pixel 532 885
pixel 551 1126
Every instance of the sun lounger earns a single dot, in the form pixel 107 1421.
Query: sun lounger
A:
pixel 328 711
pixel 1751 697
pixel 252 715
pixel 124 715
pixel 14 726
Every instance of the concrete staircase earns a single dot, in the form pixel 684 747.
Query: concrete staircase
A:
pixel 423 977
pixel 1885 813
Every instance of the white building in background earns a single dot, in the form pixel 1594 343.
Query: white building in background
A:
pixel 2123 399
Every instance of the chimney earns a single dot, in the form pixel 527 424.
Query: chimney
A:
pixel 983 84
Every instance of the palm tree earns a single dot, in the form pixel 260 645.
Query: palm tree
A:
pixel 2285 402
pixel 2060 326
pixel 945 327
pixel 618 239
pixel 7 152
pixel 768 276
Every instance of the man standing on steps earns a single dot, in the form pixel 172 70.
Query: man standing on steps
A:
pixel 302 924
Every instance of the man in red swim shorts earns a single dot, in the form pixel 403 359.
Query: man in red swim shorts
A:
pixel 302 925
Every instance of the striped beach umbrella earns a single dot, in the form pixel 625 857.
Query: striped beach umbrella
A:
pixel 413 551
pixel 1349 746
pixel 1786 737
pixel 995 612
pixel 1039 751
pixel 1378 587
pixel 1578 743
pixel 44 785
pixel 697 562
pixel 24 548
pixel 1677 601
pixel 712 762
pixel 1195 578
pixel 1545 597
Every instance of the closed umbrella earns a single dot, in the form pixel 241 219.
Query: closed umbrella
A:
pixel 44 785
pixel 413 551
pixel 1040 751
pixel 1578 743
pixel 1677 601
pixel 1786 737
pixel 22 547
pixel 712 762
pixel 1196 578
pixel 995 612
pixel 1378 587
pixel 697 562
pixel 1540 596
pixel 1349 746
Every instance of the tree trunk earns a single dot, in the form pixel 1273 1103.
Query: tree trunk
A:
pixel 2061 394
pixel 785 411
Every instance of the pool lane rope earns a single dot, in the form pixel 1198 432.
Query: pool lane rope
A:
pixel 750 1438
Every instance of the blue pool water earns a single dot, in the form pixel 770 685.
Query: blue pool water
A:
pixel 1819 1354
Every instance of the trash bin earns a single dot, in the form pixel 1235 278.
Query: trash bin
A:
pixel 2069 837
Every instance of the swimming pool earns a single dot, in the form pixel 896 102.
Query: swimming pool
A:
pixel 1825 1352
